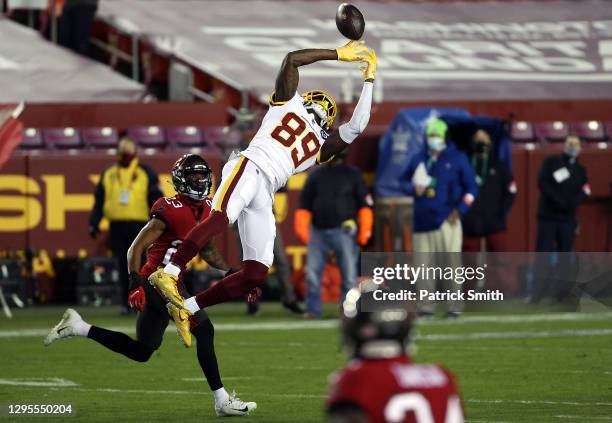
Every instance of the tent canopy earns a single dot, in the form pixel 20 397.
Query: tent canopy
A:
pixel 406 136
pixel 35 70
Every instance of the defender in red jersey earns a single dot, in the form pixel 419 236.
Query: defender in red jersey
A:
pixel 381 384
pixel 171 219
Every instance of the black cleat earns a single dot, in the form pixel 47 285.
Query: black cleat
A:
pixel 252 308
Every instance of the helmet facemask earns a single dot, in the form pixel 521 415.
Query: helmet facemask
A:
pixel 322 106
pixel 192 177
pixel 318 112
pixel 197 183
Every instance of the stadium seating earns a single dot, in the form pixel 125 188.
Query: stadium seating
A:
pixel 588 131
pixel 32 139
pixel 62 138
pixel 522 131
pixel 185 136
pixel 555 131
pixel 100 137
pixel 148 136
pixel 217 139
pixel 608 129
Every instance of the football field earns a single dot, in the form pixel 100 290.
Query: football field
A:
pixel 510 368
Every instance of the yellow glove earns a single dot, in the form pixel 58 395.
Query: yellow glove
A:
pixel 351 51
pixel 369 65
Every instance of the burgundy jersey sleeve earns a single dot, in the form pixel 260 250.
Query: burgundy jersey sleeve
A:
pixel 160 210
pixel 207 209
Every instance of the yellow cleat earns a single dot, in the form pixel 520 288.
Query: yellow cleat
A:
pixel 166 285
pixel 181 319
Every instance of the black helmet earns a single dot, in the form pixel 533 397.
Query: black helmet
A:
pixel 381 333
pixel 192 177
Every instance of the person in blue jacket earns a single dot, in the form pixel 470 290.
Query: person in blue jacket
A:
pixel 443 184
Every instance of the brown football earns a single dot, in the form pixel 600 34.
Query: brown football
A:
pixel 349 21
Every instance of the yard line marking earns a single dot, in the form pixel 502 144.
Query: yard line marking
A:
pixel 49 382
pixel 484 421
pixel 203 379
pixel 563 416
pixel 543 402
pixel 333 323
pixel 513 335
pixel 430 337
pixel 522 318
pixel 506 347
pixel 183 392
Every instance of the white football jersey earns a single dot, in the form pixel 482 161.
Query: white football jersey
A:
pixel 288 141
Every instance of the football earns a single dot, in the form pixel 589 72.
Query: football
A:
pixel 349 21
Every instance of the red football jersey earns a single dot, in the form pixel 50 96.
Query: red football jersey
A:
pixel 397 391
pixel 180 216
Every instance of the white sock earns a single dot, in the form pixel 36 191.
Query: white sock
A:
pixel 81 328
pixel 171 269
pixel 220 395
pixel 192 305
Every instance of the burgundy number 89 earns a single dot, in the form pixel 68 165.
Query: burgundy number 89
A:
pixel 291 127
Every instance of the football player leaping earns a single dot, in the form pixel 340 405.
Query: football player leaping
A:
pixel 171 220
pixel 294 134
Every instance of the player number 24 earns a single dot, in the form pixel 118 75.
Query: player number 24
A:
pixel 413 402
pixel 292 129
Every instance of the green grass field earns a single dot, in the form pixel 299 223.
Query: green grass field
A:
pixel 535 368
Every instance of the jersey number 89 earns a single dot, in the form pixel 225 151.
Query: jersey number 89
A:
pixel 292 129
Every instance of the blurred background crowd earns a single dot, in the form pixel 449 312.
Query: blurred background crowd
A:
pixel 447 164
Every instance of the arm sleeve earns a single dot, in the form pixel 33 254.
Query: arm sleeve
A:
pixel 580 195
pixel 159 210
pixel 469 187
pixel 361 191
pixel 405 179
pixel 154 192
pixel 96 213
pixel 361 115
pixel 548 186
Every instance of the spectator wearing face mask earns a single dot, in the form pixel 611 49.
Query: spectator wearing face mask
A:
pixel 563 185
pixel 124 195
pixel 486 219
pixel 444 186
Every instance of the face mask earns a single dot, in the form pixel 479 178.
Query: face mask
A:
pixel 125 159
pixel 436 143
pixel 481 147
pixel 572 151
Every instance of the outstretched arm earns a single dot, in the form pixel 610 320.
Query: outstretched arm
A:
pixel 289 77
pixel 340 138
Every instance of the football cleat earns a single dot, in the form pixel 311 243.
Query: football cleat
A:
pixel 166 285
pixel 65 328
pixel 234 406
pixel 181 320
